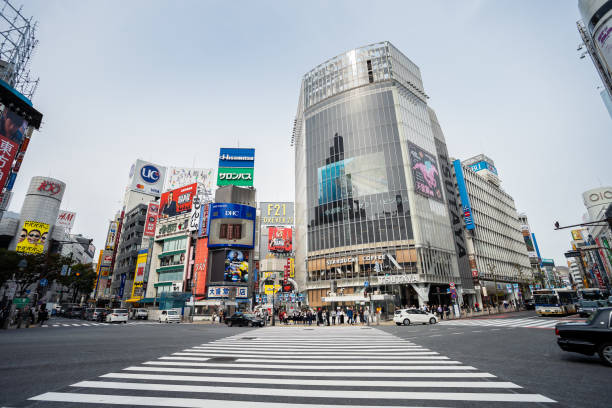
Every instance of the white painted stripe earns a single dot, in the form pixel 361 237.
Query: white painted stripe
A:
pixel 284 374
pixel 229 354
pixel 55 325
pixel 44 325
pixel 343 383
pixel 313 358
pixel 267 360
pixel 272 351
pixel 75 324
pixel 65 325
pixel 446 396
pixel 174 402
pixel 293 346
pixel 315 367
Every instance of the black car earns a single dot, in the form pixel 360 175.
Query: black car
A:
pixel 75 312
pixel 529 304
pixel 590 337
pixel 244 319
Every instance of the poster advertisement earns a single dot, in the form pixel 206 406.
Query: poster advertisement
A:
pixel 12 126
pixel 151 222
pixel 141 264
pixel 279 239
pixel 425 173
pixel 65 219
pixel 182 176
pixel 176 202
pixel 8 150
pixel 200 267
pixel 236 266
pixel 32 237
pixel 111 235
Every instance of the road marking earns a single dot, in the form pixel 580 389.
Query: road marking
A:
pixel 310 367
pixel 356 360
pixel 447 396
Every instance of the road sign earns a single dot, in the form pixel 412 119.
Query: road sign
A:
pixel 366 284
pixel 44 282
pixel 20 302
pixel 452 284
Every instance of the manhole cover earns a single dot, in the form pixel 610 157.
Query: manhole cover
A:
pixel 222 360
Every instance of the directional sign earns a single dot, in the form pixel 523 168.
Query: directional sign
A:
pixel 44 282
pixel 366 284
pixel 20 302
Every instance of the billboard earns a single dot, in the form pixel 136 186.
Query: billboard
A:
pixel 224 292
pixel 465 198
pixel 199 202
pixel 151 221
pixel 531 252
pixel 276 213
pixel 231 265
pixel 236 157
pixel 203 226
pixel 239 176
pixel 12 126
pixel 483 165
pixel 8 150
pixel 200 267
pixel 425 173
pixel 577 235
pixel 176 202
pixel 280 239
pixel 65 219
pixel 231 225
pixel 146 177
pixel 32 237
pixel 139 274
pixel 182 176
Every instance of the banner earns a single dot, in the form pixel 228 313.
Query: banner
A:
pixel 32 237
pixel 177 201
pixel 238 176
pixel 65 219
pixel 199 201
pixel 279 239
pixel 151 222
pixel 139 274
pixel 203 227
pixel 425 173
pixel 111 235
pixel 8 150
pixel 200 267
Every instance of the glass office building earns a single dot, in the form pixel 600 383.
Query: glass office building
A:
pixel 370 200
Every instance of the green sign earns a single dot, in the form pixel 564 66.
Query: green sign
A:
pixel 237 176
pixel 20 302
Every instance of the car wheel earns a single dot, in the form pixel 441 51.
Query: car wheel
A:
pixel 406 322
pixel 432 321
pixel 399 324
pixel 605 353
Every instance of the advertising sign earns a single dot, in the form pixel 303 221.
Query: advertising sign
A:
pixel 146 177
pixel 577 235
pixel 276 213
pixel 111 235
pixel 122 285
pixel 65 219
pixel 182 176
pixel 236 266
pixel 203 227
pixel 199 201
pixel 32 237
pixel 271 289
pixel 139 274
pixel 425 173
pixel 463 194
pixel 236 157
pixel 177 201
pixel 603 39
pixel 5 199
pixel 239 176
pixel 483 165
pixel 231 225
pixel 8 150
pixel 200 267
pixel 279 239
pixel 151 222
pixel 224 292
pixel 531 252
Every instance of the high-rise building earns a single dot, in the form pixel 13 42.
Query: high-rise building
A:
pixel 370 205
pixel 496 246
pixel 599 236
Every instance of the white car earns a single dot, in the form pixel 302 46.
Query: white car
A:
pixel 117 315
pixel 141 314
pixel 169 316
pixel 409 316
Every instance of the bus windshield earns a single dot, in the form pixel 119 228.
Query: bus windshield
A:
pixel 546 299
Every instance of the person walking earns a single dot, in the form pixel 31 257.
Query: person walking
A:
pixel 333 316
pixel 43 315
pixel 349 315
pixel 366 315
pixel 319 317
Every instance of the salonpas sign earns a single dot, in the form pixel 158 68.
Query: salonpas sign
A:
pixel 237 176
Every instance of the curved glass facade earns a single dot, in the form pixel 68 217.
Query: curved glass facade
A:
pixel 356 192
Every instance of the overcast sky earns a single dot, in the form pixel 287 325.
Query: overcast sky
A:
pixel 171 82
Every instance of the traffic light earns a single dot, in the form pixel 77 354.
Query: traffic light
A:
pixel 77 274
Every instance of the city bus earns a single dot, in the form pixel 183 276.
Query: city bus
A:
pixel 555 301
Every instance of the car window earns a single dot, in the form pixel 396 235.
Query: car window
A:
pixel 172 312
pixel 120 311
pixel 164 312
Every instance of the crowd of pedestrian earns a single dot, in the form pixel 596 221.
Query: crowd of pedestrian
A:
pixel 23 317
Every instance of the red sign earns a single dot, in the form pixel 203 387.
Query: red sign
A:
pixel 279 239
pixel 151 222
pixel 200 266
pixel 49 187
pixel 177 201
pixel 8 150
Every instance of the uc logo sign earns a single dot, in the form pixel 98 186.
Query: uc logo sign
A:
pixel 149 173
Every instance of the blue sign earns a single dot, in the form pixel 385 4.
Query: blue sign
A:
pixel 150 174
pixel 122 287
pixel 366 284
pixel 236 157
pixel 463 194
pixel 227 210
pixel 11 181
pixel 483 165
pixel 44 282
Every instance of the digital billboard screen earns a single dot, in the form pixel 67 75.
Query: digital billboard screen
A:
pixel 176 202
pixel 32 237
pixel 230 266
pixel 425 173
pixel 231 225
pixel 280 240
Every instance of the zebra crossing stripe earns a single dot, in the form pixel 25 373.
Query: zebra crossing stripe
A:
pixel 310 367
pixel 296 392
pixel 334 383
pixel 353 361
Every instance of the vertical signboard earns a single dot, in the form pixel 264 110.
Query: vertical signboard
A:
pixel 200 267
pixel 8 150
pixel 151 221
pixel 111 235
pixel 463 194
pixel 139 274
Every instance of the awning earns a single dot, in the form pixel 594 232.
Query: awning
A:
pixel 133 300
pixel 355 298
pixel 162 284
pixel 147 300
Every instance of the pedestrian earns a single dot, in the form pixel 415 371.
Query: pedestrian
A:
pixel 319 316
pixel 366 315
pixel 333 316
pixel 349 315
pixel 447 311
pixel 43 315
pixel 440 312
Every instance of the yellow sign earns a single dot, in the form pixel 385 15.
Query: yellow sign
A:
pixel 577 235
pixel 291 268
pixel 269 275
pixel 32 237
pixel 268 289
pixel 141 264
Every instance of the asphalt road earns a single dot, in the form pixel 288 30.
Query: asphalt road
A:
pixel 36 361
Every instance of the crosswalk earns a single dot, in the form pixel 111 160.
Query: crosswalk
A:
pixel 529 322
pixel 58 323
pixel 332 367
